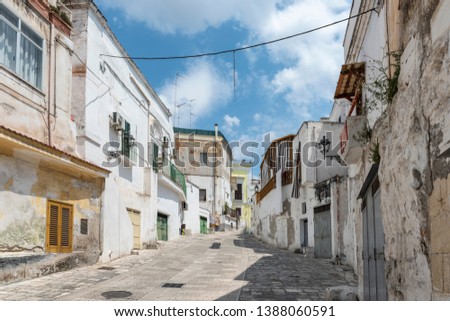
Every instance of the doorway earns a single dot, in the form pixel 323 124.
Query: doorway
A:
pixel 162 227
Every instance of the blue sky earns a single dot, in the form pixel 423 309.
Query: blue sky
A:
pixel 273 88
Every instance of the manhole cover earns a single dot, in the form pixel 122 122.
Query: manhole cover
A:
pixel 172 285
pixel 215 245
pixel 106 268
pixel 116 294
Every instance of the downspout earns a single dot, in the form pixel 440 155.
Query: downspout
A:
pixel 49 80
pixel 214 168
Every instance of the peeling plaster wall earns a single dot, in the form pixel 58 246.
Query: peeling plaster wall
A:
pixel 415 214
pixel 24 108
pixel 413 131
pixel 273 218
pixel 24 191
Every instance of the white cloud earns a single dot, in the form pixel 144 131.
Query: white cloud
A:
pixel 193 16
pixel 201 89
pixel 308 65
pixel 230 123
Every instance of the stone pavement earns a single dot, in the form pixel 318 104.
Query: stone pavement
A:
pixel 221 266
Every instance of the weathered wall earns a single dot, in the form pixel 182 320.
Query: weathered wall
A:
pixel 413 178
pixel 24 191
pixel 24 107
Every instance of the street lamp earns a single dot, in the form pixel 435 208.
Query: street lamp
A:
pixel 257 189
pixel 325 142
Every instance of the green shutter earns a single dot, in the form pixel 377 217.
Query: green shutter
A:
pixel 126 140
pixel 155 157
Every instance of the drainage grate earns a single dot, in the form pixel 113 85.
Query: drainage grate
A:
pixel 215 245
pixel 116 294
pixel 106 268
pixel 172 285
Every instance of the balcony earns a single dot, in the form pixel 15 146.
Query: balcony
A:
pixel 266 189
pixel 351 149
pixel 175 175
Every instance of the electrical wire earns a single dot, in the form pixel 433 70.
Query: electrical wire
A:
pixel 216 53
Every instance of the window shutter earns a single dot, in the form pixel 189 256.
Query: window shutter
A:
pixel 66 229
pixel 52 227
pixel 59 227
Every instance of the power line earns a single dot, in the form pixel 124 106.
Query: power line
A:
pixel 216 53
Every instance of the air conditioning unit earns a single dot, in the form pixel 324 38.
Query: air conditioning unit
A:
pixel 160 162
pixel 117 121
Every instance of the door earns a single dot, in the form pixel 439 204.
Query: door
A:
pixel 162 227
pixel 373 247
pixel 322 232
pixel 303 233
pixel 203 225
pixel 135 218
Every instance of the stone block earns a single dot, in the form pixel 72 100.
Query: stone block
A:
pixel 446 272
pixel 436 272
pixel 440 237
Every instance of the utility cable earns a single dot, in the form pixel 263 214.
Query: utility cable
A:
pixel 216 53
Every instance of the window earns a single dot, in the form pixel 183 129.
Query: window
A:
pixel 20 48
pixel 59 227
pixel 238 193
pixel 202 195
pixel 129 148
pixel 204 158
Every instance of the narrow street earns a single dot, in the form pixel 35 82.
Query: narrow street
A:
pixel 221 266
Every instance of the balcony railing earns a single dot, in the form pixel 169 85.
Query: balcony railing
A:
pixel 271 184
pixel 229 211
pixel 175 175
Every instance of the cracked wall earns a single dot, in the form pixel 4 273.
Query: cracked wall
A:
pixel 414 180
pixel 24 191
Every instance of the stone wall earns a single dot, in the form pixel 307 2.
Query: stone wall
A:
pixel 414 180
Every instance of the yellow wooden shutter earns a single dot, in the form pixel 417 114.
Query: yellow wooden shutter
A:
pixel 59 227
pixel 66 229
pixel 52 227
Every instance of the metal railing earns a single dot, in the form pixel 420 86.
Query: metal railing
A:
pixel 171 171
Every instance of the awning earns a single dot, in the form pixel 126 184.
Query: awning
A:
pixel 22 147
pixel 349 79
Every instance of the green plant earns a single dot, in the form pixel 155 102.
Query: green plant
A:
pixel 364 135
pixel 63 15
pixel 374 155
pixel 384 86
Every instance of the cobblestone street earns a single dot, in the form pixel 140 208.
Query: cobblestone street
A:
pixel 221 266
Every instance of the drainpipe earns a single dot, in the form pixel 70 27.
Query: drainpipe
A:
pixel 49 80
pixel 216 132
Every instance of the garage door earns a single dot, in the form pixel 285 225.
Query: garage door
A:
pixel 322 232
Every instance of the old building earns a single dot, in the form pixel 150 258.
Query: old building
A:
pixel 122 125
pixel 273 220
pixel 205 157
pixel 241 197
pixel 50 198
pixel 319 187
pixel 395 142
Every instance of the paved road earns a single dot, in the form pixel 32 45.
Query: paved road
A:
pixel 221 266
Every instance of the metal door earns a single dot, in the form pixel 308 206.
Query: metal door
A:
pixel 322 233
pixel 304 233
pixel 373 248
pixel 203 225
pixel 162 227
